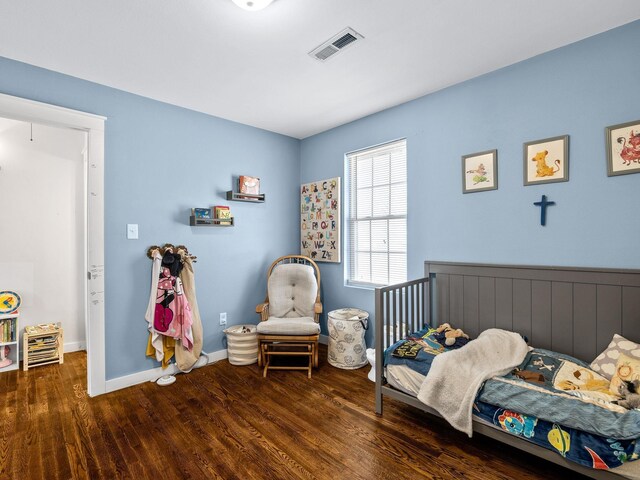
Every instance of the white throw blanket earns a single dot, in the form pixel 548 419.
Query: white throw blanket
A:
pixel 455 376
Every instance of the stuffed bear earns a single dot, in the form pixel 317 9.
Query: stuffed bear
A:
pixel 449 337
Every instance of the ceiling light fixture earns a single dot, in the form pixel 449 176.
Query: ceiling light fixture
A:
pixel 253 5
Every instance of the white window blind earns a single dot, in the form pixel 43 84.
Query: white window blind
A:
pixel 377 219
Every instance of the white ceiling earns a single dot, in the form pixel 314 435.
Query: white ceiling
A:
pixel 253 67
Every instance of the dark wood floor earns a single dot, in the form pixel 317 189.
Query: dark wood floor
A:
pixel 228 422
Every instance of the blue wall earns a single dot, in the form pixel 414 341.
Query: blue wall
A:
pixel 160 161
pixel 576 90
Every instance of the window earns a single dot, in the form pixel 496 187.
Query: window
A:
pixel 377 218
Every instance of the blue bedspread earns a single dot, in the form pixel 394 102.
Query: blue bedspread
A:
pixel 569 393
pixel 581 447
pixel 429 348
pixel 582 426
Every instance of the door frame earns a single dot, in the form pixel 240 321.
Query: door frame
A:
pixel 26 110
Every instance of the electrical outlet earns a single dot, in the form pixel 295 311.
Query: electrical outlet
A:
pixel 223 318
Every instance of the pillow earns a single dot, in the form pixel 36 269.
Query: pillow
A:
pixel 605 363
pixel 627 369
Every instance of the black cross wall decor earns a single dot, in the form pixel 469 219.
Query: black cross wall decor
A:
pixel 543 204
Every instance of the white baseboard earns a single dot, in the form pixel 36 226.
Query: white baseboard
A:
pixel 324 339
pixel 74 346
pixel 216 356
pixel 153 374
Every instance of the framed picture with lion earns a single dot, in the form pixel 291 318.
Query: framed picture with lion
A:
pixel 546 161
pixel 623 148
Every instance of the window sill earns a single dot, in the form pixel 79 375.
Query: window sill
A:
pixel 363 286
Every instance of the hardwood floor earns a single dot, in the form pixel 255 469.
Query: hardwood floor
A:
pixel 228 422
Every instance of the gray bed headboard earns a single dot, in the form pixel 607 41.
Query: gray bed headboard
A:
pixel 570 310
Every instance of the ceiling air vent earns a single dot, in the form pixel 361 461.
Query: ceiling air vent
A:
pixel 335 44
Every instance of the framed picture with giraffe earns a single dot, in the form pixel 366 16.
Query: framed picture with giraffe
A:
pixel 546 161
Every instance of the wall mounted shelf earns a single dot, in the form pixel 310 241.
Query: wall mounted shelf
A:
pixel 245 197
pixel 210 222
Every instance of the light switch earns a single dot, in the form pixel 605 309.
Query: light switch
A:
pixel 132 231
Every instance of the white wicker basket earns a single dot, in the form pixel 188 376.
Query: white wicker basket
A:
pixel 242 344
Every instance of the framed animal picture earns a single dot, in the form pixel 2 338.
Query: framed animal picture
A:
pixel 480 171
pixel 546 161
pixel 623 148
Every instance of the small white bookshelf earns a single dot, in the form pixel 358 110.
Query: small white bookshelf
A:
pixel 9 335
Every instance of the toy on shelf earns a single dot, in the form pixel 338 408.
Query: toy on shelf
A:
pixel 5 361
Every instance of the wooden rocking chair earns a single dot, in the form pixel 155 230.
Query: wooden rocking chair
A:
pixel 290 315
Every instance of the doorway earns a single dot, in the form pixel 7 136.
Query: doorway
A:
pixel 88 131
pixel 42 186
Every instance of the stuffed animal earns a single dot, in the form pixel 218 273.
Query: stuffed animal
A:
pixel 443 328
pixel 629 393
pixel 529 376
pixel 449 337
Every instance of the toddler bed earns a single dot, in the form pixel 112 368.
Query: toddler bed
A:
pixel 568 314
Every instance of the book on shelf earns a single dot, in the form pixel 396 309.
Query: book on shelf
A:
pixel 201 212
pixel 42 329
pixel 34 359
pixel 43 346
pixel 250 185
pixel 7 331
pixel 222 212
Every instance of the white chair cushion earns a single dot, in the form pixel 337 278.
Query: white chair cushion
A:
pixel 289 326
pixel 292 290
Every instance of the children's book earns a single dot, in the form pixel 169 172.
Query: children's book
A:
pixel 222 212
pixel 201 212
pixel 250 185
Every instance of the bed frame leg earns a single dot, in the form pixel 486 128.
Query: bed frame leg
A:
pixel 379 345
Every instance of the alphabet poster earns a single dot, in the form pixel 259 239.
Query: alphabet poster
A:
pixel 320 220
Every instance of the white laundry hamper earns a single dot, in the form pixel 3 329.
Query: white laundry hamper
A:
pixel 347 348
pixel 242 344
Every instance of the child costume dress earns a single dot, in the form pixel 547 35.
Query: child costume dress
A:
pixel 168 314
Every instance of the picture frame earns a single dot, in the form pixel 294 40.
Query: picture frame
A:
pixel 320 233
pixel 546 160
pixel 480 171
pixel 623 148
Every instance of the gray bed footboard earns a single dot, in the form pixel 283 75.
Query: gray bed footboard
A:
pixel 403 308
pixel 570 310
